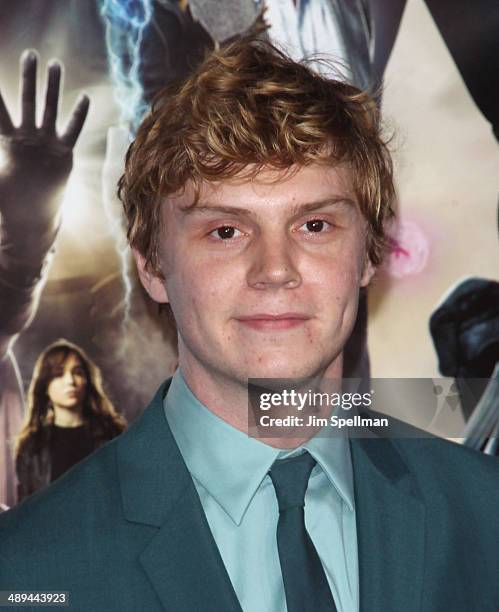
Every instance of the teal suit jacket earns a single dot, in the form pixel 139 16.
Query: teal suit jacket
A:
pixel 125 530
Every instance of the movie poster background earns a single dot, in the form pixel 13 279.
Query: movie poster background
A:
pixel 446 160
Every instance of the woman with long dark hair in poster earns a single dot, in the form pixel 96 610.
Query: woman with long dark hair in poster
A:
pixel 68 416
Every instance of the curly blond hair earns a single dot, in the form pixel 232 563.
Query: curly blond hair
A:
pixel 247 106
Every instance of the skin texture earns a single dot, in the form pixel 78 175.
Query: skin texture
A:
pixel 271 262
pixel 66 391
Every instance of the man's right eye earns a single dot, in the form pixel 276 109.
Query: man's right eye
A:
pixel 225 232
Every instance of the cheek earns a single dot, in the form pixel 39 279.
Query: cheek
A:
pixel 336 279
pixel 53 388
pixel 200 289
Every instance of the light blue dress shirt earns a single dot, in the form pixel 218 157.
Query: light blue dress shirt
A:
pixel 230 472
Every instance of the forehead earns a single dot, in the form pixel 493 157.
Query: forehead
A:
pixel 70 361
pixel 281 190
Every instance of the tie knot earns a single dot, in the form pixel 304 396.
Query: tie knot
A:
pixel 290 479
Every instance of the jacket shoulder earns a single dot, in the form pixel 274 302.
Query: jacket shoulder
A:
pixel 449 472
pixel 444 470
pixel 81 516
pixel 86 489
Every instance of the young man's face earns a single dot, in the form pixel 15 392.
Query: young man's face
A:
pixel 263 277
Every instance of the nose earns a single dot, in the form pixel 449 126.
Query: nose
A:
pixel 274 264
pixel 70 378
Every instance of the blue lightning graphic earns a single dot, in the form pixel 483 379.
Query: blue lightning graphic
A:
pixel 125 22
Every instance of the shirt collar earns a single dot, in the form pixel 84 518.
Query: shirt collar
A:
pixel 229 464
pixel 332 453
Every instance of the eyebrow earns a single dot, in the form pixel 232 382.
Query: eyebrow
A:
pixel 207 207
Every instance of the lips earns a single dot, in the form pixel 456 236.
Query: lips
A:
pixel 268 321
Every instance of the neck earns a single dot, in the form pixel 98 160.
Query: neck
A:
pixel 228 400
pixel 68 417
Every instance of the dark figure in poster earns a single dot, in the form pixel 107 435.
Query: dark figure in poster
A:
pixel 68 416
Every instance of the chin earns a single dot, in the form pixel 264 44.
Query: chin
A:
pixel 281 368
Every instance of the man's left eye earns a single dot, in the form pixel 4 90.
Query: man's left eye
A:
pixel 316 226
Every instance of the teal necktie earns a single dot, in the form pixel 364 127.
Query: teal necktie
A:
pixel 305 582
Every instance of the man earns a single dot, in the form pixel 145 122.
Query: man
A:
pixel 255 194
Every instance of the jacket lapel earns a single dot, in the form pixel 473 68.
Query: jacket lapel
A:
pixel 184 564
pixel 182 560
pixel 390 528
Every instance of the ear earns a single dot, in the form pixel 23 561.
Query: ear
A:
pixel 153 284
pixel 368 273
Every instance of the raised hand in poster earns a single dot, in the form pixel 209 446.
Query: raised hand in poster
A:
pixel 35 163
